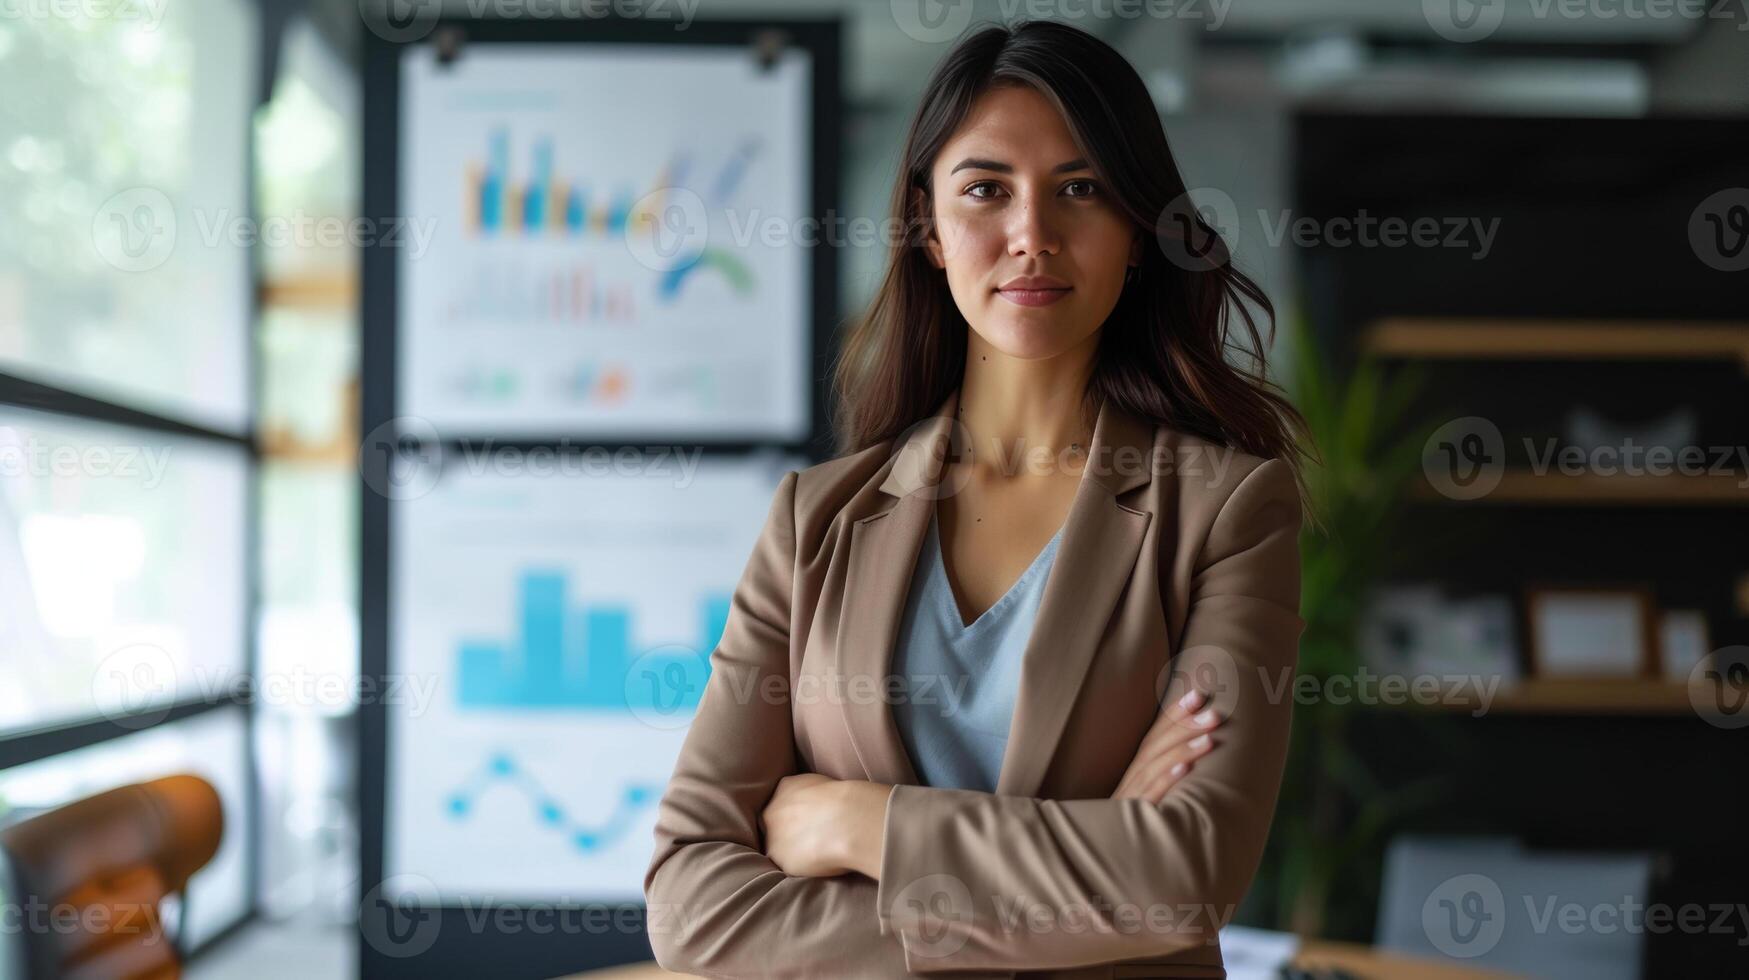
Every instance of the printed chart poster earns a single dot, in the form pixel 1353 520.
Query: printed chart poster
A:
pixel 605 240
pixel 550 639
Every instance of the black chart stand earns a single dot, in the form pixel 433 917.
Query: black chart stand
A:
pixel 495 937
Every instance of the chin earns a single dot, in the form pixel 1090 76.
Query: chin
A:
pixel 1031 335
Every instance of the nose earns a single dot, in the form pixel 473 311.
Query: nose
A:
pixel 1033 230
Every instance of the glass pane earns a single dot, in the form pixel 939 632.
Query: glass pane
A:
pixel 123 213
pixel 121 568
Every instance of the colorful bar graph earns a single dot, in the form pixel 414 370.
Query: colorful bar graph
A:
pixel 581 658
pixel 560 293
pixel 544 203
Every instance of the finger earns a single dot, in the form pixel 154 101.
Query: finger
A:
pixel 1189 751
pixel 1186 704
pixel 1157 743
pixel 1134 790
pixel 1127 786
pixel 1167 766
pixel 1189 711
pixel 1162 784
pixel 1172 729
pixel 1157 747
pixel 1177 764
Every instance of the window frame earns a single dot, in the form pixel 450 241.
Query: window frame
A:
pixel 47 742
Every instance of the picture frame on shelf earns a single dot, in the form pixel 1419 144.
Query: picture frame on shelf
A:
pixel 1422 628
pixel 1591 632
pixel 1683 642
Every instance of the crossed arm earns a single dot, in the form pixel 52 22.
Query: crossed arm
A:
pixel 971 882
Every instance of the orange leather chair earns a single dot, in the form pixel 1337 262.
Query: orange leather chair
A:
pixel 91 874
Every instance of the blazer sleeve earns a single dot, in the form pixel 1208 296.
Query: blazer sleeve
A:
pixel 717 906
pixel 978 880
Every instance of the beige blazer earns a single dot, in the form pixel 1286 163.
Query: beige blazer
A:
pixel 1179 560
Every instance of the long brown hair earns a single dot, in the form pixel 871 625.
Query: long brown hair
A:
pixel 1162 353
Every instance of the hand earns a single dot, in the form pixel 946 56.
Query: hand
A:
pixel 817 826
pixel 1177 739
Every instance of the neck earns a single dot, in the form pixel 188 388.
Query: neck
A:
pixel 1010 406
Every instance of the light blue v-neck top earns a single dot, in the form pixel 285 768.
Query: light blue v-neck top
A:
pixel 961 680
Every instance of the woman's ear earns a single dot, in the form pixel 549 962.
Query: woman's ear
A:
pixel 1136 245
pixel 924 218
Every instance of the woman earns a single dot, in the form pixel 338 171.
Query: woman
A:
pixel 933 737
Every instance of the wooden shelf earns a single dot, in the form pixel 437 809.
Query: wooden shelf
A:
pixel 1356 960
pixel 1582 696
pixel 280 446
pixel 1594 489
pixel 1541 339
pixel 336 291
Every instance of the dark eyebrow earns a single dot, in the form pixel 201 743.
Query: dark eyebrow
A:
pixel 974 163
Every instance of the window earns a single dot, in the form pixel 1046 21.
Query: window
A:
pixel 123 205
pixel 126 412
pixel 122 559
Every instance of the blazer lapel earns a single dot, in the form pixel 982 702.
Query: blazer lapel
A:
pixel 1101 539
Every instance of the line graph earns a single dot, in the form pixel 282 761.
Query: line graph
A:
pixel 548 810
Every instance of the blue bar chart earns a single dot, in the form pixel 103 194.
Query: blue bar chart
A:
pixel 582 658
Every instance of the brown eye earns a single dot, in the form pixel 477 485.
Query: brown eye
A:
pixel 982 183
pixel 1091 187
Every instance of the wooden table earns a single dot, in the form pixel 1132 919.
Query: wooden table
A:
pixel 1362 961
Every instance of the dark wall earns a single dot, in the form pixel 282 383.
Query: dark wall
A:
pixel 1593 222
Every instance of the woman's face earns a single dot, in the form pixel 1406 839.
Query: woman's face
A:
pixel 1034 247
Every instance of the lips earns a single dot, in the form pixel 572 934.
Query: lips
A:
pixel 1033 290
pixel 1032 297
